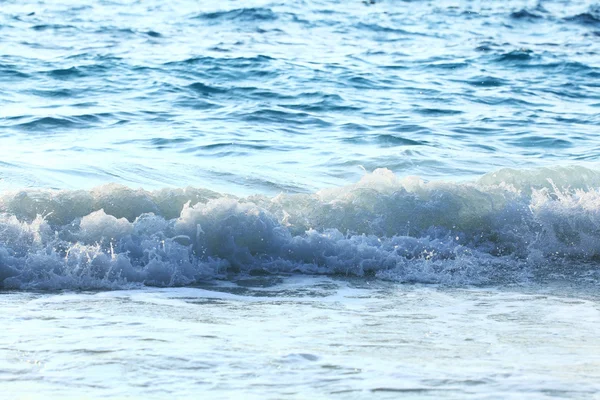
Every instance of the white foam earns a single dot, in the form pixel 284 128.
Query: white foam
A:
pixel 499 228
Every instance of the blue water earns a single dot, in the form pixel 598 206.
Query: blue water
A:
pixel 261 97
pixel 179 142
pixel 304 199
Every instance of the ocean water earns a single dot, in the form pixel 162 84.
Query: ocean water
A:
pixel 301 199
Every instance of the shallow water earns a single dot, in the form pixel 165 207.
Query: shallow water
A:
pixel 304 337
pixel 311 198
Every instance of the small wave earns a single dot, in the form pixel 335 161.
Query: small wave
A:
pixel 194 103
pixel 566 66
pixel 229 148
pixel 45 123
pixel 168 142
pixel 233 61
pixel 226 69
pixel 448 65
pixel 10 72
pixel 497 100
pixel 204 89
pixel 508 226
pixel 114 30
pixel 92 70
pixel 383 29
pixel 384 140
pixel 541 142
pixel 516 55
pixel 393 140
pixel 572 92
pixel 592 17
pixel 284 117
pixel 525 14
pixel 53 27
pixel 63 73
pixel 359 82
pixel 153 34
pixel 437 112
pixel 54 93
pixel 241 14
pixel 326 103
pixel 487 81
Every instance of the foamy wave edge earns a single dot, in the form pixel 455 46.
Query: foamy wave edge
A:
pixel 508 226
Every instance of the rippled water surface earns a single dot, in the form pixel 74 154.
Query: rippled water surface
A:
pixel 302 199
pixel 257 96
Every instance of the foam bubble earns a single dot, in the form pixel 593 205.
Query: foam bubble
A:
pixel 509 226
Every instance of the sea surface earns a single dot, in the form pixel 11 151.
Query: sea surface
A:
pixel 300 199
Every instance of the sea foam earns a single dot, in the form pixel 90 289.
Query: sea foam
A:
pixel 508 226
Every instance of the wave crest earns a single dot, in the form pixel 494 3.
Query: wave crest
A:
pixel 507 226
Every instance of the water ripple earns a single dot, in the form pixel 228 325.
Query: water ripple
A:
pixel 241 14
pixel 525 14
pixel 296 95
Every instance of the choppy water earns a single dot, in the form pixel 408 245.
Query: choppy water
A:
pixel 158 144
pixel 267 97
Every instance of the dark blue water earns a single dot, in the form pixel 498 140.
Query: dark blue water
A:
pixel 262 97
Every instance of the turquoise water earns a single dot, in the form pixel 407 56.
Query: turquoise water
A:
pixel 184 167
pixel 266 97
pixel 303 337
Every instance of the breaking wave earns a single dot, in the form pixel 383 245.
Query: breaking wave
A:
pixel 507 226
